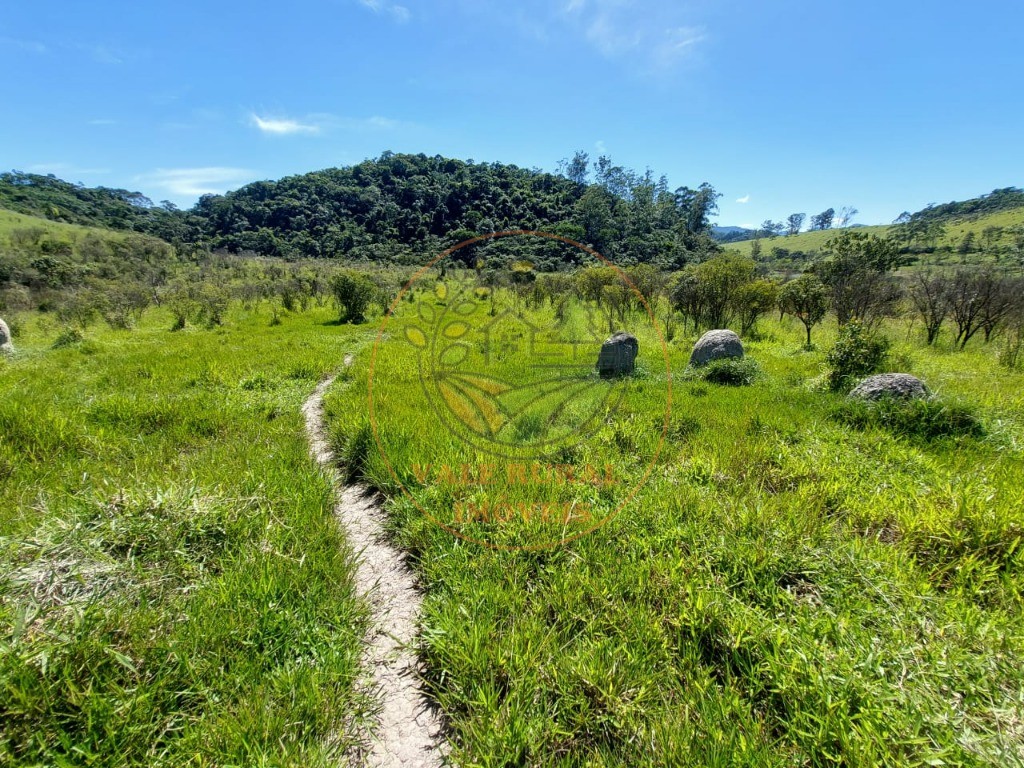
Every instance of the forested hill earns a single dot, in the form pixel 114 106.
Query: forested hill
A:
pixel 995 201
pixel 408 205
pixel 399 207
pixel 57 200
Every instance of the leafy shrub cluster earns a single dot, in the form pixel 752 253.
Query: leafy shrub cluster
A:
pixel 858 352
pixel 354 292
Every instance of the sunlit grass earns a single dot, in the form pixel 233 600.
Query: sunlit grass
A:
pixel 175 589
pixel 783 589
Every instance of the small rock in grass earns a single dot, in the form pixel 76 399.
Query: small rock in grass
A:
pixel 898 385
pixel 5 338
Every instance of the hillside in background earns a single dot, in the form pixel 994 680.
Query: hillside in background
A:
pixel 399 207
pixel 41 261
pixel 732 234
pixel 57 200
pixel 971 238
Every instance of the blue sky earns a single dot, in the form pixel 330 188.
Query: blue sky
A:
pixel 782 105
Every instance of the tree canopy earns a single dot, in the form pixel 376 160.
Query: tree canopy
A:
pixel 399 207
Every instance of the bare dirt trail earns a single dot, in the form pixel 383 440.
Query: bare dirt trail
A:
pixel 409 730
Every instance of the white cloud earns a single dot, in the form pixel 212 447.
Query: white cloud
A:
pixel 676 45
pixel 322 122
pixel 282 126
pixel 744 199
pixel 193 182
pixel 654 34
pixel 600 147
pixel 397 12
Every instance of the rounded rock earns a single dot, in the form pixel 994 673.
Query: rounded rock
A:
pixel 716 345
pixel 899 385
pixel 5 338
pixel 618 354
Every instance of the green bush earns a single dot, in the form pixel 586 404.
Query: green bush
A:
pixel 67 338
pixel 858 352
pixel 733 372
pixel 354 292
pixel 928 418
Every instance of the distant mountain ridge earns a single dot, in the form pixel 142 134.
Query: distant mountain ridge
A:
pixel 732 234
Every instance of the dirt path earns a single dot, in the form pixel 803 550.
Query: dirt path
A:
pixel 409 730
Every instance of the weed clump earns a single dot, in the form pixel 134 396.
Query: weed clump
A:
pixel 68 338
pixel 732 372
pixel 927 418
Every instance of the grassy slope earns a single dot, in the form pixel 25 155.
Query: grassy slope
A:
pixel 955 230
pixel 175 590
pixel 9 220
pixel 784 590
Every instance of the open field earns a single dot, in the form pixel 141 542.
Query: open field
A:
pixel 784 589
pixel 731 574
pixel 174 588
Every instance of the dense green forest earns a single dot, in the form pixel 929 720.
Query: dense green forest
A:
pixel 398 207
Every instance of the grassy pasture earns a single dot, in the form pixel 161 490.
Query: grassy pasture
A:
pixel 174 588
pixel 9 221
pixel 784 589
pixel 955 230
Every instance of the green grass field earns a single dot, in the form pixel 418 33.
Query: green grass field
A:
pixel 955 231
pixel 175 590
pixel 779 587
pixel 11 221
pixel 783 589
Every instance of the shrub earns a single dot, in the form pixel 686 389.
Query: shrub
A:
pixel 67 338
pixel 928 418
pixel 354 292
pixel 124 306
pixel 733 372
pixel 182 305
pixel 858 352
pixel 212 302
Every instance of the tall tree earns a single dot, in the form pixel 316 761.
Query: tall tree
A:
pixel 795 223
pixel 967 244
pixel 576 170
pixel 845 216
pixel 823 220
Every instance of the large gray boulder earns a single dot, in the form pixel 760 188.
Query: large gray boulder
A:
pixel 899 385
pixel 5 338
pixel 716 345
pixel 618 354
